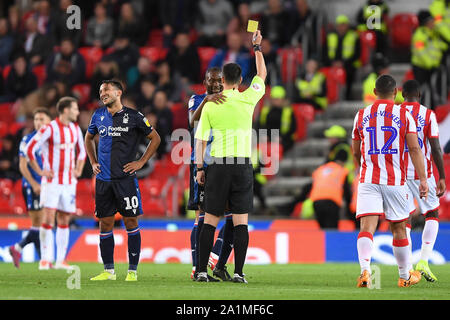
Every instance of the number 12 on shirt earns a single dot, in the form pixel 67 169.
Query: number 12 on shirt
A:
pixel 386 149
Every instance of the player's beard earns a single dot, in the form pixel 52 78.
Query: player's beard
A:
pixel 110 103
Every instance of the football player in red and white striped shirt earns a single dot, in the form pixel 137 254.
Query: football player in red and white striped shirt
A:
pixel 59 141
pixel 428 136
pixel 380 133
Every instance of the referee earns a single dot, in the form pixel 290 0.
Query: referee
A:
pixel 230 174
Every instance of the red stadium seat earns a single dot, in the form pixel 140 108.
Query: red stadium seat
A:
pixel 91 55
pixel 409 75
pixel 40 73
pixel 304 114
pixel 4 129
pixel 155 38
pixel 14 127
pixel 198 88
pixel 180 116
pixel 6 112
pixel 442 112
pixel 205 54
pixel 83 92
pixel 368 44
pixel 335 82
pixel 153 53
pixel 289 61
pixel 6 70
pixel 401 28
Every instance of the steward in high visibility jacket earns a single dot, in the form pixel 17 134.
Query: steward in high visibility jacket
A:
pixel 427 48
pixel 343 49
pixel 440 10
pixel 337 138
pixel 312 87
pixel 279 115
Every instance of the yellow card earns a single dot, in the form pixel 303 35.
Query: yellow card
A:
pixel 252 26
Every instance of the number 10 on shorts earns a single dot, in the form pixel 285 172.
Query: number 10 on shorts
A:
pixel 133 204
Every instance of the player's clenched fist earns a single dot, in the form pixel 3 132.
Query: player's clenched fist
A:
pixel 96 168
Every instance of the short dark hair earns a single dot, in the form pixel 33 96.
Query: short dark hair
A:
pixel 232 73
pixel 385 84
pixel 42 110
pixel 411 88
pixel 63 103
pixel 115 83
pixel 213 69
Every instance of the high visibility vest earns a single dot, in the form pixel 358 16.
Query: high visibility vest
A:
pixel 262 179
pixel 441 13
pixel 350 165
pixel 427 49
pixel 313 88
pixel 368 12
pixel 328 183
pixel 369 97
pixel 286 118
pixel 348 46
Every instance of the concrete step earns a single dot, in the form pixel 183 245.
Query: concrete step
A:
pixel 310 148
pixel 300 166
pixel 286 186
pixel 316 128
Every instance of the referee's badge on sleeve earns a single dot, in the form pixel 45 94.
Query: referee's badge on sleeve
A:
pixel 256 87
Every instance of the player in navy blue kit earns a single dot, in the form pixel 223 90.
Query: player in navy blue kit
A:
pixel 223 245
pixel 31 188
pixel 116 189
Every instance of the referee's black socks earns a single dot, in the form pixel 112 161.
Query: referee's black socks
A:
pixel 240 247
pixel 206 241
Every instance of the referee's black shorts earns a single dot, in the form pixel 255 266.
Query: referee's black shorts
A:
pixel 229 179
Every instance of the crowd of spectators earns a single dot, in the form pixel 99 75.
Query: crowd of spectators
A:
pixel 41 58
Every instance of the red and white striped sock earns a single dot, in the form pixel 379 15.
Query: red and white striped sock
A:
pixel 429 235
pixel 62 242
pixel 47 242
pixel 402 254
pixel 364 245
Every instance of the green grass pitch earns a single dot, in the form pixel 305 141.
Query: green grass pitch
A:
pixel 172 282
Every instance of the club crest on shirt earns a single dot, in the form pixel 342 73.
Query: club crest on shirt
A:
pixel 125 118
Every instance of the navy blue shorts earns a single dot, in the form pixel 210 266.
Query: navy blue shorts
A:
pixel 196 191
pixel 121 196
pixel 32 200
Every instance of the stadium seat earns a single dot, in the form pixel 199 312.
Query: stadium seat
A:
pixel 155 38
pixel 409 75
pixel 335 82
pixel 6 70
pixel 304 114
pixel 198 88
pixel 205 54
pixel 180 116
pixel 6 112
pixel 442 112
pixel 83 92
pixel 289 61
pixel 14 127
pixel 368 44
pixel 40 73
pixel 91 55
pixel 401 28
pixel 153 53
pixel 4 129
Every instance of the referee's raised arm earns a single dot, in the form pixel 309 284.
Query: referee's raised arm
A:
pixel 261 70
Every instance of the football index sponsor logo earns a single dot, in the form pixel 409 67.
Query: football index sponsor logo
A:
pixel 111 131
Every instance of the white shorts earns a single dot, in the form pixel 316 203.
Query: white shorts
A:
pixel 58 196
pixel 432 202
pixel 379 199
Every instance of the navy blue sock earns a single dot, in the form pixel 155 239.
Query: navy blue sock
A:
pixel 30 237
pixel 193 244
pixel 134 247
pixel 107 249
pixel 219 241
pixel 227 246
pixel 206 243
pixel 201 219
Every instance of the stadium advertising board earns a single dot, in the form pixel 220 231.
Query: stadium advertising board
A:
pixel 266 246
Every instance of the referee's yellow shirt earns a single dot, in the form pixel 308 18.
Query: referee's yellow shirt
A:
pixel 230 123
